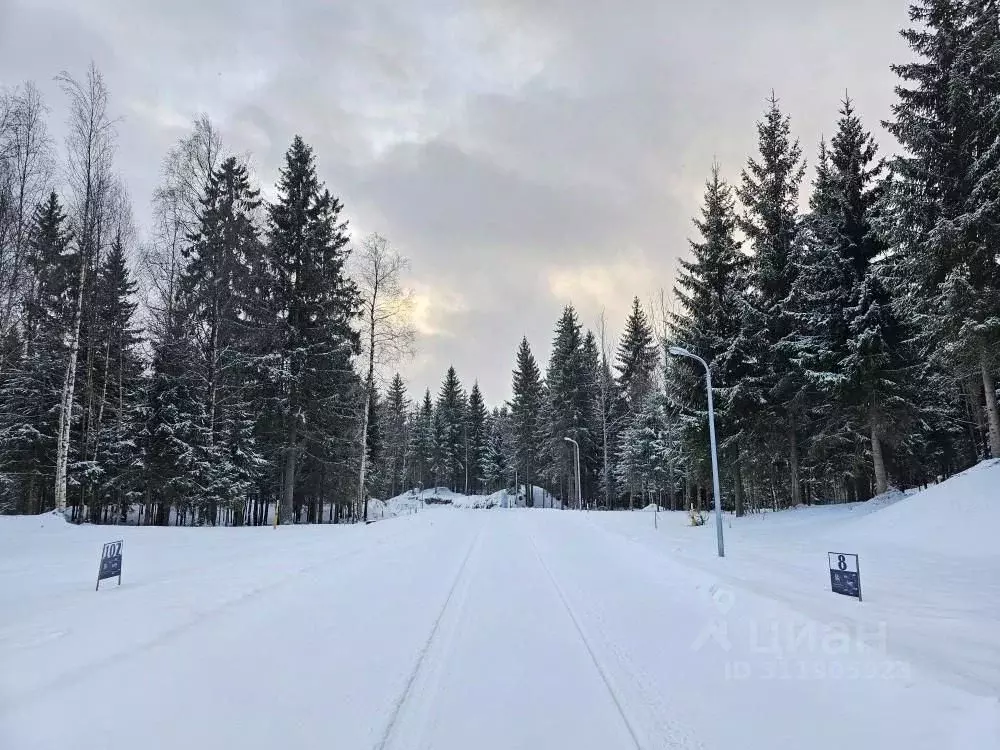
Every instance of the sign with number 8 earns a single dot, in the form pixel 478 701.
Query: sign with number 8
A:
pixel 845 574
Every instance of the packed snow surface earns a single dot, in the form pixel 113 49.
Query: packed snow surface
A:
pixel 453 628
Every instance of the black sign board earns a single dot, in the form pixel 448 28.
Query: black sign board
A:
pixel 845 574
pixel 111 562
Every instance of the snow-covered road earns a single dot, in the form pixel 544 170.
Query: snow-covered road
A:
pixel 450 629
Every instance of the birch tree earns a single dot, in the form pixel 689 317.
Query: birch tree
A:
pixel 90 146
pixel 184 175
pixel 25 177
pixel 387 325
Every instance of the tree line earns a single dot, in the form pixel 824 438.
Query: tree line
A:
pixel 853 345
pixel 233 391
pixel 851 326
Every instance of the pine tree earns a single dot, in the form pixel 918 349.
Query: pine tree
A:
pixel 944 208
pixel 394 430
pixel 648 449
pixel 30 389
pixel 709 286
pixel 421 446
pixel 711 292
pixel 450 431
pixel 497 464
pixel 178 458
pixel 607 402
pixel 316 390
pixel 591 458
pixel 816 306
pixel 637 358
pixel 219 292
pixel 569 405
pixel 123 387
pixel 526 408
pixel 769 194
pixel 374 443
pixel 983 209
pixel 477 438
pixel 636 364
pixel 878 370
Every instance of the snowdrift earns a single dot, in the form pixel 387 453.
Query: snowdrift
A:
pixel 958 517
pixel 408 501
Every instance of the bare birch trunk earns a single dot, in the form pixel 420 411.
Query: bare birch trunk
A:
pixel 369 385
pixel 881 478
pixel 793 460
pixel 992 415
pixel 66 400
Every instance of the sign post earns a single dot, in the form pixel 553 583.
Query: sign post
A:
pixel 845 574
pixel 111 562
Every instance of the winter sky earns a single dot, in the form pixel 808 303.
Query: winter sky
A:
pixel 524 154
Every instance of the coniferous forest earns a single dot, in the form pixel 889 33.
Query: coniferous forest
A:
pixel 222 363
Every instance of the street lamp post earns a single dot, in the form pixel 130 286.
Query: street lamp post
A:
pixel 579 490
pixel 678 351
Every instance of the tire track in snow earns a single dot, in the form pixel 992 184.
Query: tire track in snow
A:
pixel 402 706
pixel 662 727
pixel 612 692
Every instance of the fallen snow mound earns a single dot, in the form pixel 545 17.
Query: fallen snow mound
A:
pixel 654 507
pixel 957 517
pixel 405 503
pixel 496 500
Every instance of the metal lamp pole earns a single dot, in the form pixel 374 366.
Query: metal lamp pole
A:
pixel 678 351
pixel 579 490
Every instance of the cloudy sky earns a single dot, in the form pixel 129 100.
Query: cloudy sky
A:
pixel 524 154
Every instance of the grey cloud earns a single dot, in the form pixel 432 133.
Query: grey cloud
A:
pixel 500 144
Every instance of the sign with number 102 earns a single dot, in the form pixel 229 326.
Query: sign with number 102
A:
pixel 845 575
pixel 111 562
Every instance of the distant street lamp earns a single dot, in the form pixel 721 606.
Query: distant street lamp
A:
pixel 678 351
pixel 579 491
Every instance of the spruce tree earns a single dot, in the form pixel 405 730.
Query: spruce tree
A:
pixel 421 444
pixel 123 386
pixel 569 407
pixel 315 389
pixel 375 444
pixel 178 456
pixel 710 292
pixel 816 306
pixel 394 430
pixel 526 410
pixel 30 388
pixel 496 464
pixel 769 193
pixel 450 431
pixel 637 358
pixel 477 432
pixel 591 458
pixel 878 371
pixel 220 295
pixel 636 363
pixel 943 196
pixel 607 403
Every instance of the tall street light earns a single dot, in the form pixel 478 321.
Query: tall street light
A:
pixel 678 351
pixel 579 491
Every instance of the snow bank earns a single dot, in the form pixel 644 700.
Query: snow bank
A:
pixel 480 501
pixel 957 517
pixel 403 504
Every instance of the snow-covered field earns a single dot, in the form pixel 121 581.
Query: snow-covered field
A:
pixel 452 628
